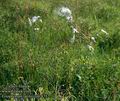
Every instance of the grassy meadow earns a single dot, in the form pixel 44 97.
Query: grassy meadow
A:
pixel 48 62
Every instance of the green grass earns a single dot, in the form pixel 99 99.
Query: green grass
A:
pixel 47 60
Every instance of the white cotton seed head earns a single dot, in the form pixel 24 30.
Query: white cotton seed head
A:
pixel 64 11
pixel 35 18
pixel 69 19
pixel 74 30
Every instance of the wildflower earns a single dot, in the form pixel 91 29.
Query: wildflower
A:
pixel 74 30
pixel 34 19
pixel 69 18
pixel 90 48
pixel 104 32
pixel 72 40
pixel 65 12
pixel 93 39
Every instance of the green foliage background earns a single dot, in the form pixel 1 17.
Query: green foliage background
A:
pixel 46 59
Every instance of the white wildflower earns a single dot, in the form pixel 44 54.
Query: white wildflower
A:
pixel 72 40
pixel 36 29
pixel 93 39
pixel 104 32
pixel 90 48
pixel 65 12
pixel 34 19
pixel 69 18
pixel 74 30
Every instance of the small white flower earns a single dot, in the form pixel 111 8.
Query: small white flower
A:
pixel 72 40
pixel 36 29
pixel 64 11
pixel 93 39
pixel 90 48
pixel 69 18
pixel 104 32
pixel 74 30
pixel 34 19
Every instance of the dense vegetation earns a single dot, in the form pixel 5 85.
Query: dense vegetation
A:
pixel 48 62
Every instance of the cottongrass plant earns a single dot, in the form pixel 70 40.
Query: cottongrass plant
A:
pixel 33 20
pixel 55 68
pixel 67 13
